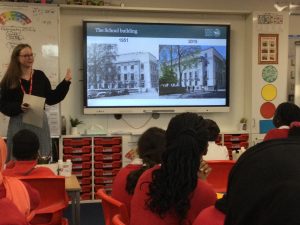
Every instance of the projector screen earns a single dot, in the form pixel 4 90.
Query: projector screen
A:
pixel 154 67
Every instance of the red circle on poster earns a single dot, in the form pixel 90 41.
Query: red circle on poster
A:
pixel 267 110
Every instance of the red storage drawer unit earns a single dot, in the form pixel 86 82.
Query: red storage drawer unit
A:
pixel 95 162
pixel 236 137
pixel 107 149
pixel 107 140
pixel 77 141
pixel 105 157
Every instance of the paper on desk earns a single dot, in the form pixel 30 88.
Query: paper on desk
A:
pixel 35 114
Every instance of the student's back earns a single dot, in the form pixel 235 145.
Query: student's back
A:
pixel 263 186
pixel 150 147
pixel 172 192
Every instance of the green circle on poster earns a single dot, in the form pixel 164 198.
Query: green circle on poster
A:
pixel 269 92
pixel 269 73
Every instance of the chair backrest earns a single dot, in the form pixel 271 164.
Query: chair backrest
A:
pixel 218 176
pixel 111 207
pixel 117 220
pixel 53 197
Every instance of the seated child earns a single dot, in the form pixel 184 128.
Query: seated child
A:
pixel 25 151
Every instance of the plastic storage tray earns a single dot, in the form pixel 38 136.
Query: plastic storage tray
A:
pixel 236 137
pixel 80 150
pixel 105 172
pixel 102 165
pixel 108 149
pixel 78 158
pixel 107 141
pixel 77 141
pixel 105 157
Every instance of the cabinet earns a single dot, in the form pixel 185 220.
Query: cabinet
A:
pixel 95 161
pixel 234 141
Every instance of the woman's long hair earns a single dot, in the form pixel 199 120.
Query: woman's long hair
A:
pixel 13 73
pixel 151 145
pixel 173 184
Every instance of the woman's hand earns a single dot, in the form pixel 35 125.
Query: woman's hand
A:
pixel 204 170
pixel 25 107
pixel 68 76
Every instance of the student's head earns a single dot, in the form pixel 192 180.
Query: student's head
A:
pixel 294 131
pixel 213 130
pixel 25 145
pixel 286 113
pixel 151 145
pixel 187 141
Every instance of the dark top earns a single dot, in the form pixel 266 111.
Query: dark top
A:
pixel 263 186
pixel 11 99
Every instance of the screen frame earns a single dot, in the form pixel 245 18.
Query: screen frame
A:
pixel 154 109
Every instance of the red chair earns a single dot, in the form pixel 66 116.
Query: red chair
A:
pixel 218 176
pixel 53 200
pixel 111 207
pixel 117 220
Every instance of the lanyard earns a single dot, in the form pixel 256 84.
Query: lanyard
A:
pixel 30 88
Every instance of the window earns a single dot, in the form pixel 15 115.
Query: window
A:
pixel 132 76
pixel 142 66
pixel 125 76
pixel 142 76
pixel 132 67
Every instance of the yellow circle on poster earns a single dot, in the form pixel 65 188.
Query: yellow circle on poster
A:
pixel 269 92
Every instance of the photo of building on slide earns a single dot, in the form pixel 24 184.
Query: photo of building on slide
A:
pixel 180 71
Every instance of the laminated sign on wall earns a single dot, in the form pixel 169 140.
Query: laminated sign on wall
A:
pixel 37 26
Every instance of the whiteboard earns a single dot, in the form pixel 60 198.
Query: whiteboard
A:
pixel 38 26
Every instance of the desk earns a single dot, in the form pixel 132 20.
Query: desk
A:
pixel 73 189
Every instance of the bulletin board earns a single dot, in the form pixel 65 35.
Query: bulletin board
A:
pixel 38 26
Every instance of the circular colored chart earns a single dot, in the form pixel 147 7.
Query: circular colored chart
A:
pixel 267 110
pixel 269 92
pixel 269 73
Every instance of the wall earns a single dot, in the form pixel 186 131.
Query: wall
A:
pixel 71 55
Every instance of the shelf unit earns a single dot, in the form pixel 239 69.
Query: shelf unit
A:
pixel 95 161
pixel 234 141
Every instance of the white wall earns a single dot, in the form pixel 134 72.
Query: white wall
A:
pixel 240 66
pixel 71 55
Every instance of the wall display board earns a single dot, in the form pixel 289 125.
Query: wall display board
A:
pixel 37 25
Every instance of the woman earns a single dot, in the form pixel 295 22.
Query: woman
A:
pixel 19 79
pixel 150 146
pixel 172 193
pixel 15 194
pixel 285 114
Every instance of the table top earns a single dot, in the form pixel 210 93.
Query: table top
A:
pixel 72 183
